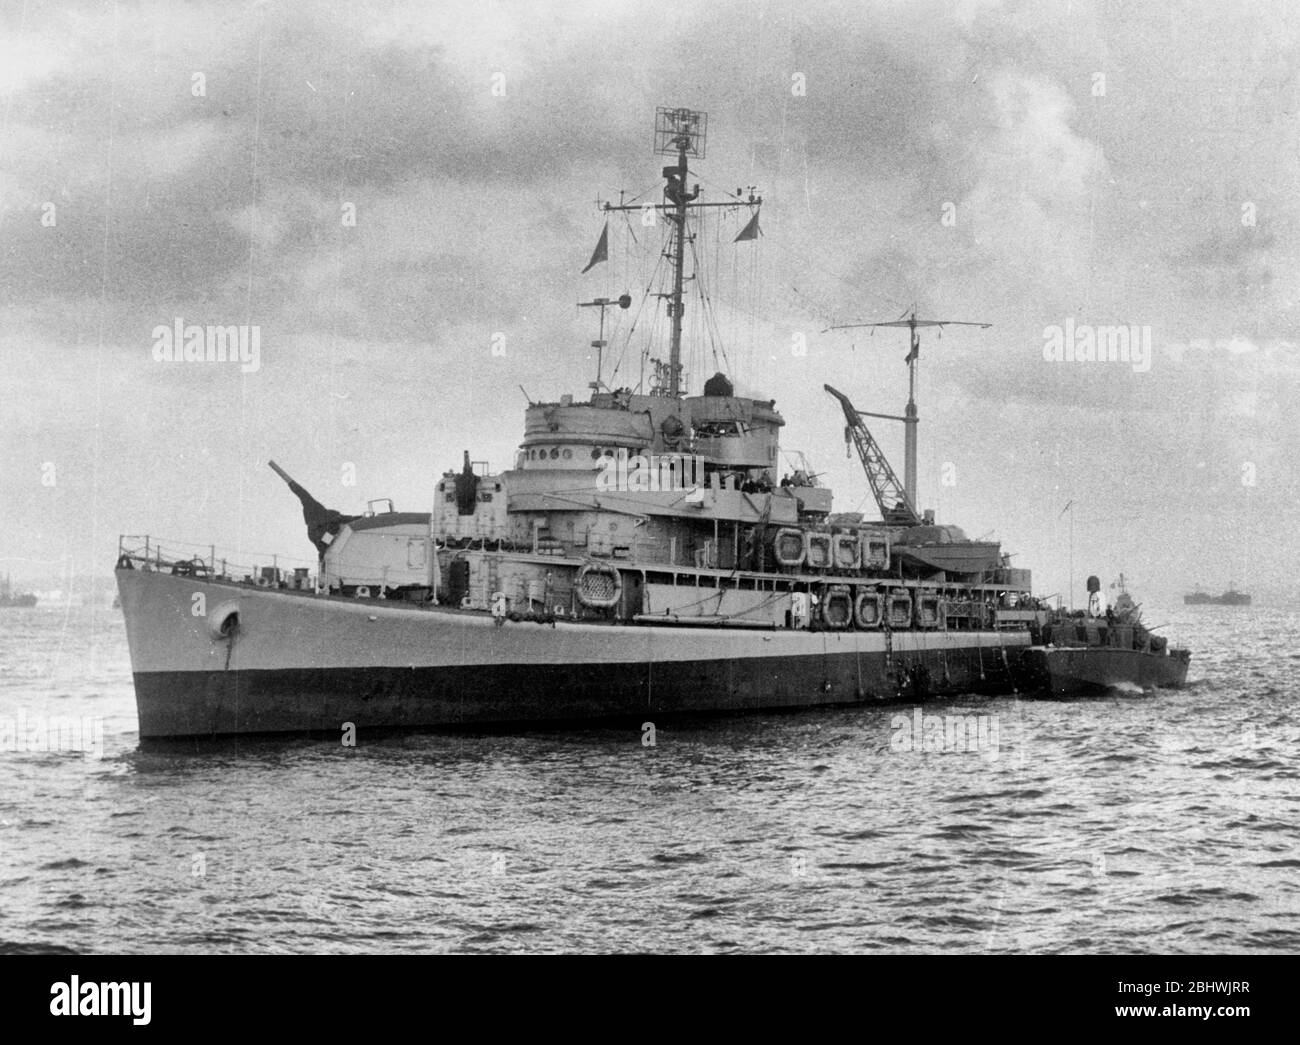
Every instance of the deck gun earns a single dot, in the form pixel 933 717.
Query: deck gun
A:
pixel 323 524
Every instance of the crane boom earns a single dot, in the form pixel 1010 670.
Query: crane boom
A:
pixel 911 421
pixel 896 507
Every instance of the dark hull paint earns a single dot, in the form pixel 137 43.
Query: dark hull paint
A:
pixel 187 703
pixel 1069 670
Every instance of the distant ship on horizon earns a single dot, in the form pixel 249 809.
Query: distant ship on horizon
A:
pixel 1231 597
pixel 10 599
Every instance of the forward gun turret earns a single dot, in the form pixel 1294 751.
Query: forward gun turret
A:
pixel 323 524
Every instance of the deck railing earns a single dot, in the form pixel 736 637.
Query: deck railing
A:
pixel 143 551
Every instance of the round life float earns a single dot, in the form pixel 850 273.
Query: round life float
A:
pixel 846 550
pixel 928 611
pixel 875 551
pixel 837 607
pixel 599 585
pixel 900 609
pixel 788 546
pixel 819 550
pixel 869 609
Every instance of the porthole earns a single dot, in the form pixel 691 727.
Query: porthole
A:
pixel 567 453
pixel 555 452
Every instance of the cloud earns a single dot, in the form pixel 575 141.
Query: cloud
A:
pixel 475 209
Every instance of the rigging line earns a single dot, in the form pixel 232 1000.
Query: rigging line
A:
pixel 755 275
pixel 699 316
pixel 733 316
pixel 627 220
pixel 704 279
pixel 732 198
pixel 645 296
pixel 627 341
pixel 709 313
pixel 649 188
pixel 721 270
pixel 706 305
pixel 807 262
pixel 735 281
pixel 748 300
pixel 656 317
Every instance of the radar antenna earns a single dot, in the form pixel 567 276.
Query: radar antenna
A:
pixel 911 420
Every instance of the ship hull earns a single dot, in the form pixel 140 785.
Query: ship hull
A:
pixel 305 663
pixel 1070 670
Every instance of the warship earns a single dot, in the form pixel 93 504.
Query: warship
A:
pixel 10 599
pixel 1102 648
pixel 646 555
pixel 1231 597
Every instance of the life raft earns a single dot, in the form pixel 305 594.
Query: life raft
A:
pixel 599 585
pixel 846 550
pixel 788 547
pixel 869 609
pixel 930 611
pixel 819 550
pixel 837 607
pixel 875 551
pixel 900 609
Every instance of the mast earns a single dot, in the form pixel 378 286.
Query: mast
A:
pixel 677 187
pixel 680 133
pixel 623 302
pixel 910 418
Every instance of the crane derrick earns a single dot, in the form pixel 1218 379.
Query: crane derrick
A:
pixel 910 419
pixel 895 507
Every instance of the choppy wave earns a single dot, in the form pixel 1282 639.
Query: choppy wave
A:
pixel 1162 823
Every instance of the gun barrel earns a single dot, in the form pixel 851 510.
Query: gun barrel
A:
pixel 281 472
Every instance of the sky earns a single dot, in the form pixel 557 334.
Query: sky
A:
pixel 400 198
